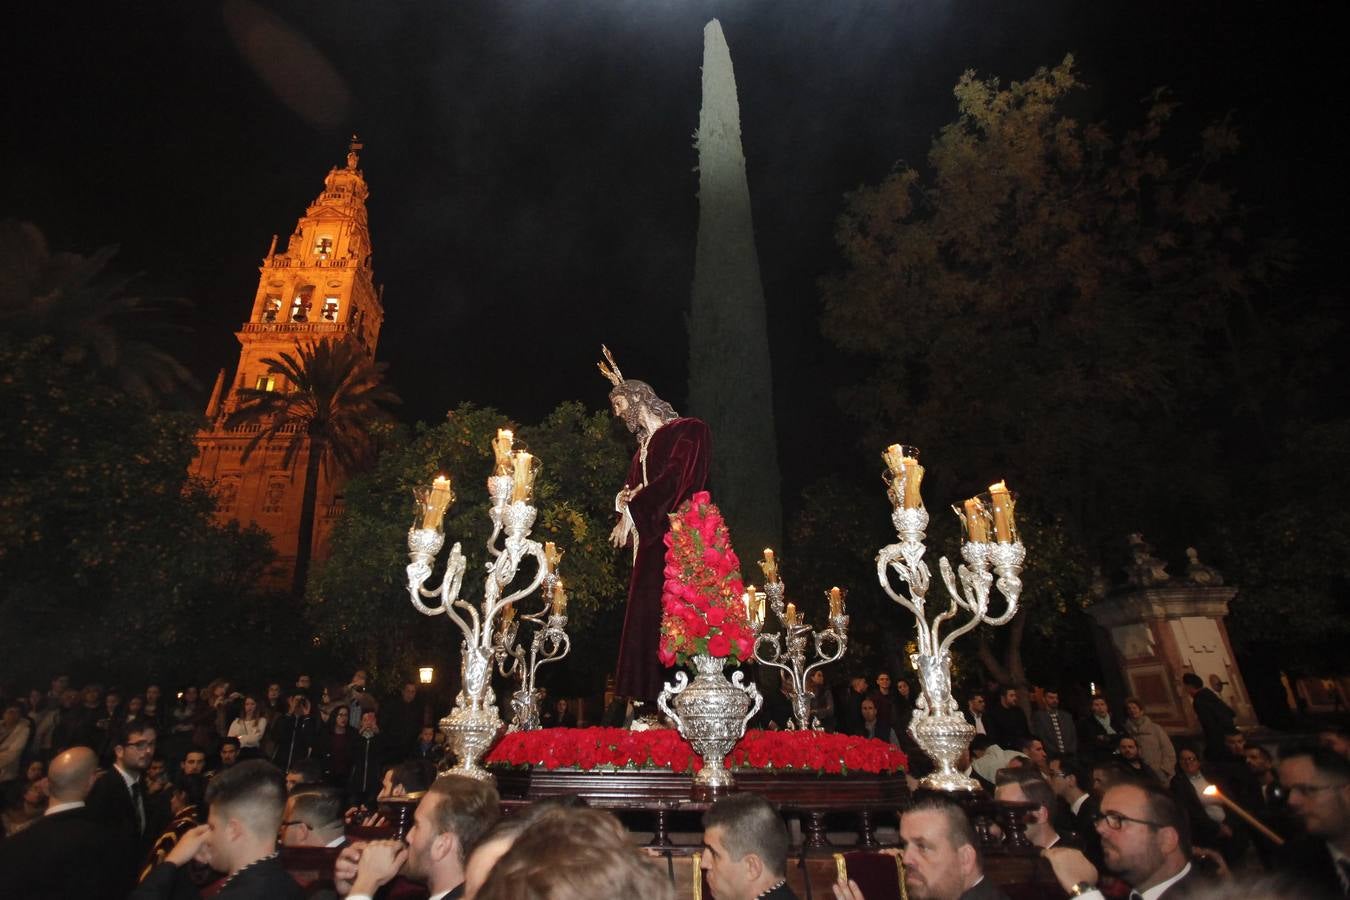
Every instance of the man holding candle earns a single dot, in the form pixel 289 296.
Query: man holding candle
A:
pixel 670 466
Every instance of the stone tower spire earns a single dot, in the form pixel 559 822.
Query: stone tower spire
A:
pixel 320 285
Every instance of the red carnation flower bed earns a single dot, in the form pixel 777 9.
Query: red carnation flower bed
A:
pixel 662 748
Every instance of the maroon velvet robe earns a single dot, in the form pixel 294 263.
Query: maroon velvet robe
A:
pixel 678 457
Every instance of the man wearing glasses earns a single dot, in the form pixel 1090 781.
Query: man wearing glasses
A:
pixel 313 818
pixel 118 797
pixel 1317 783
pixel 1146 840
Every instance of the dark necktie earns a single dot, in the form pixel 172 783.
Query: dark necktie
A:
pixel 1135 895
pixel 138 801
pixel 1344 871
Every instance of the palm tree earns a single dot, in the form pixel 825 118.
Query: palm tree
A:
pixel 336 394
pixel 86 314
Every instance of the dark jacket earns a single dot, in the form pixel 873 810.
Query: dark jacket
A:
pixel 1216 718
pixel 69 854
pixel 1094 742
pixel 1308 862
pixel 1006 725
pixel 294 738
pixel 985 890
pixel 265 880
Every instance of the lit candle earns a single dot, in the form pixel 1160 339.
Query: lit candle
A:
pixel 894 455
pixel 501 448
pixel 792 614
pixel 559 599
pixel 836 603
pixel 552 556
pixel 770 567
pixel 748 598
pixel 976 528
pixel 1003 512
pixel 913 476
pixel 437 502
pixel 1214 793
pixel 523 478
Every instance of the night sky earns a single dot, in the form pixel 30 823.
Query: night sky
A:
pixel 532 169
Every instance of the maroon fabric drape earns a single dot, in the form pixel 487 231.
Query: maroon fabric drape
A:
pixel 677 466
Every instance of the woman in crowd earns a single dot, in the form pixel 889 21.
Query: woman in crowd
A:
pixel 335 745
pixel 1155 747
pixel 249 727
pixel 153 710
pixel 134 710
pixel 822 701
pixel 24 802
pixel 180 723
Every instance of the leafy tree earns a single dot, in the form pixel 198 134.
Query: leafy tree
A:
pixel 109 560
pixel 358 600
pixel 1048 303
pixel 1062 306
pixel 335 396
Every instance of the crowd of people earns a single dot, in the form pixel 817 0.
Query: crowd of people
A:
pixel 112 796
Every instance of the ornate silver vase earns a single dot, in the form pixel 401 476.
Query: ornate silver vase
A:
pixel 711 714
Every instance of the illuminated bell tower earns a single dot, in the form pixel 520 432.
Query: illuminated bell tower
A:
pixel 319 286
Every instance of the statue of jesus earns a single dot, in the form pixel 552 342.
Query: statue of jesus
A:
pixel 670 465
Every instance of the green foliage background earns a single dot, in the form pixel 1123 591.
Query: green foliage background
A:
pixel 358 601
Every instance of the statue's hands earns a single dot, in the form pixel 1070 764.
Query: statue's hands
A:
pixel 619 536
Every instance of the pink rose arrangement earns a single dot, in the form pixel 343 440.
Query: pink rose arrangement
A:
pixel 702 609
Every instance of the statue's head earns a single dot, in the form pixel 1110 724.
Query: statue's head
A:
pixel 630 397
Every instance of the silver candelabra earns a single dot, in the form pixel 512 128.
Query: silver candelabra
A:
pixel 548 644
pixel 474 725
pixel 937 725
pixel 791 660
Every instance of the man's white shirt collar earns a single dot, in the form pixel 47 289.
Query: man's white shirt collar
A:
pixel 1157 890
pixel 62 807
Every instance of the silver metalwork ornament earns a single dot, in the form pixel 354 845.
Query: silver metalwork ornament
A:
pixel 937 724
pixel 769 650
pixel 473 726
pixel 549 644
pixel 711 714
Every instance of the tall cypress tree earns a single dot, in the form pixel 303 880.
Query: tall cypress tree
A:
pixel 730 380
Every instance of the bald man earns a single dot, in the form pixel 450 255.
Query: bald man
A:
pixel 67 853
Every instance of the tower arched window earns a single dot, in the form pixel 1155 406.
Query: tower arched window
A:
pixel 272 307
pixel 330 309
pixel 323 246
pixel 302 303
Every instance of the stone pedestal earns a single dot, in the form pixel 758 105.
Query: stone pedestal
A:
pixel 1159 632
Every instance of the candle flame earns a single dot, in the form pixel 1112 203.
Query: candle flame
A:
pixel 1210 791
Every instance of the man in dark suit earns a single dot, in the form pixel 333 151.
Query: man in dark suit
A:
pixel 1317 783
pixel 1070 782
pixel 118 798
pixel 240 838
pixel 942 856
pixel 66 853
pixel 1146 840
pixel 745 849
pixel 1099 731
pixel 1005 721
pixel 1216 717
